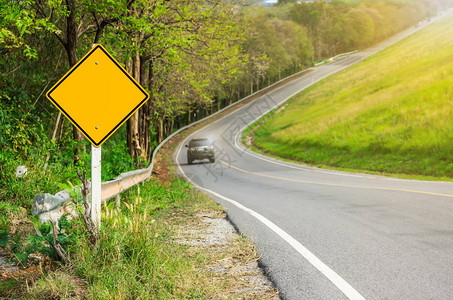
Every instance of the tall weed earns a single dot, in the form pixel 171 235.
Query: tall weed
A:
pixel 135 258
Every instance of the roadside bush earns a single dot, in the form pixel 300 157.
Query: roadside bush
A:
pixel 22 142
pixel 115 156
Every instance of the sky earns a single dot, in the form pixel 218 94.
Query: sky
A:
pixel 270 2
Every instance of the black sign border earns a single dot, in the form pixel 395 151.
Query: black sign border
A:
pixel 49 96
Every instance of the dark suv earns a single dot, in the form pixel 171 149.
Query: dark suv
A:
pixel 200 149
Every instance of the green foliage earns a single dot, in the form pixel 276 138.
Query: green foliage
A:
pixel 136 257
pixel 7 210
pixel 391 113
pixel 192 56
pixel 341 26
pixel 276 45
pixel 4 237
pixel 21 245
pixel 22 142
pixel 115 157
pixel 17 137
pixel 192 53
pixel 193 50
pixel 19 19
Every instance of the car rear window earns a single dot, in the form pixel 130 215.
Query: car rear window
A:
pixel 199 143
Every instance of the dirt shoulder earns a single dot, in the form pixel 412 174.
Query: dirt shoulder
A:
pixel 232 260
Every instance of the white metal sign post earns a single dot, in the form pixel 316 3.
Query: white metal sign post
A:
pixel 96 185
pixel 96 167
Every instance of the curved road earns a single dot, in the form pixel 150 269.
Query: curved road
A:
pixel 326 234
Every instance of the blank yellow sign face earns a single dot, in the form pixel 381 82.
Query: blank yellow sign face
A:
pixel 97 95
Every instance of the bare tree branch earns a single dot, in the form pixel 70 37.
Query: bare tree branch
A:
pixel 56 244
pixel 43 13
pixel 89 224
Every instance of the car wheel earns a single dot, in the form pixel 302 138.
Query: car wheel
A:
pixel 189 160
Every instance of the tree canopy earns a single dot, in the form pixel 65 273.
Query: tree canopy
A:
pixel 193 57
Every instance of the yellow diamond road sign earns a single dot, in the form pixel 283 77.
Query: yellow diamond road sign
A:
pixel 97 95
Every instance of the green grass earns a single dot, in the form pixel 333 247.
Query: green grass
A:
pixel 392 113
pixel 140 254
pixel 137 256
pixel 8 284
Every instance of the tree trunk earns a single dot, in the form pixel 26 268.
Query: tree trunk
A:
pixel 172 124
pixel 160 127
pixel 151 108
pixel 133 136
pixel 60 133
pixel 138 126
pixel 129 132
pixel 71 33
pixel 166 128
pixel 145 130
pixel 144 116
pixel 71 50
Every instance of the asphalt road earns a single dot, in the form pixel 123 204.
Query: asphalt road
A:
pixel 326 234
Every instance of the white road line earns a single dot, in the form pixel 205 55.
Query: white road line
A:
pixel 330 274
pixel 236 138
pixel 336 279
pixel 302 168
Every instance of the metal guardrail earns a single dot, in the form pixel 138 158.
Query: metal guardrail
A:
pixel 335 57
pixel 124 181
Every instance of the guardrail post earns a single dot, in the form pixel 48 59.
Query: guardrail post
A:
pixel 96 185
pixel 117 200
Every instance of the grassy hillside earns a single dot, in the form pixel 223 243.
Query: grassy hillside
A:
pixel 391 113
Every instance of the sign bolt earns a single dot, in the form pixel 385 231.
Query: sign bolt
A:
pixel 96 63
pixel 96 127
